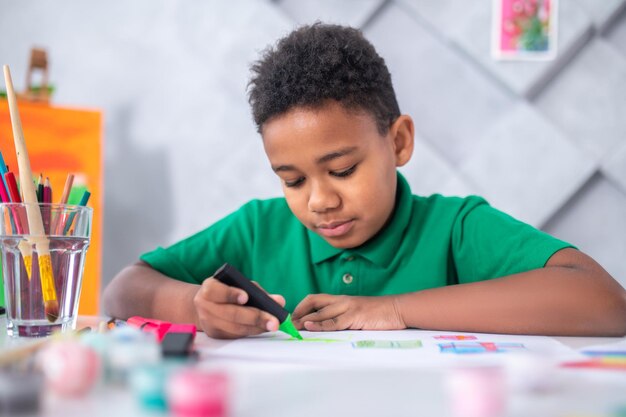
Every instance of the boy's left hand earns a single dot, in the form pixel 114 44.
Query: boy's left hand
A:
pixel 325 312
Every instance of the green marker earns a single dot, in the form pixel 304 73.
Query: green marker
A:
pixel 229 275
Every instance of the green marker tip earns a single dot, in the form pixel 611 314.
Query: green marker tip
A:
pixel 288 327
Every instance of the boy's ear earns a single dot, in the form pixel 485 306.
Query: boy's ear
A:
pixel 402 134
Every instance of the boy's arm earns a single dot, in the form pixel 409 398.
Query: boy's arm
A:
pixel 140 290
pixel 572 295
pixel 217 309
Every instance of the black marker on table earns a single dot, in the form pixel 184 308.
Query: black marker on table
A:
pixel 229 275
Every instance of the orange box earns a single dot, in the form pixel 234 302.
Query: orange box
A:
pixel 62 141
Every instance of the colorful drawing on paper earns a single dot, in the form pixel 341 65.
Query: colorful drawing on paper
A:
pixel 612 353
pixel 455 337
pixel 281 337
pixel 312 339
pixel 479 347
pixel 524 29
pixel 601 359
pixel 600 362
pixel 387 344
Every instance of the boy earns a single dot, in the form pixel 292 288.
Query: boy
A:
pixel 349 247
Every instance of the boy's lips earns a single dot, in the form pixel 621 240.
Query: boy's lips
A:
pixel 334 229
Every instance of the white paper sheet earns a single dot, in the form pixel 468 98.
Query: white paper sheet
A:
pixel 385 348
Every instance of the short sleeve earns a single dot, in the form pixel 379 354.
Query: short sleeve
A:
pixel 196 258
pixel 487 243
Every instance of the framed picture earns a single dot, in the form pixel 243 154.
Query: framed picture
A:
pixel 524 29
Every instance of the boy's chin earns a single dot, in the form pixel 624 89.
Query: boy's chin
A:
pixel 348 242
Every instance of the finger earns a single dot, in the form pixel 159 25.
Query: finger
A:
pixel 279 299
pixel 215 325
pixel 276 297
pixel 222 329
pixel 310 303
pixel 216 291
pixel 216 333
pixel 238 328
pixel 328 312
pixel 325 325
pixel 247 316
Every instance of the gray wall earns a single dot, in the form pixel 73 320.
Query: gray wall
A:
pixel 545 142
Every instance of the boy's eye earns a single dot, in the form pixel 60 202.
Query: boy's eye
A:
pixel 294 183
pixel 345 173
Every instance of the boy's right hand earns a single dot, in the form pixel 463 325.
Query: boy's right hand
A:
pixel 222 314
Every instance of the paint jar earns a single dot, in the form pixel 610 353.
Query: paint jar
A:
pixel 198 393
pixel 128 349
pixel 43 250
pixel 530 372
pixel 20 393
pixel 148 383
pixel 477 391
pixel 70 367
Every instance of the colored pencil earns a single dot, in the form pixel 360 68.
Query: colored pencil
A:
pixel 3 169
pixel 46 209
pixel 67 188
pixel 83 202
pixel 3 192
pixel 21 225
pixel 40 188
pixel 14 191
pixel 37 234
pixel 84 199
pixel 47 191
pixel 59 222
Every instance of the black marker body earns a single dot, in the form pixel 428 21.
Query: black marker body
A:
pixel 258 298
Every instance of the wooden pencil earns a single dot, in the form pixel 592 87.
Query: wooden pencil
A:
pixel 37 234
pixel 14 355
pixel 67 188
pixel 60 218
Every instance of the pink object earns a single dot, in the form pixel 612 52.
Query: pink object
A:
pixel 198 393
pixel 477 391
pixel 183 328
pixel 159 327
pixel 70 368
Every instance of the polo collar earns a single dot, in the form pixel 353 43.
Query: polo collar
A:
pixel 381 249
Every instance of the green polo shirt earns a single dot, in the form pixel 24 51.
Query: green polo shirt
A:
pixel 429 242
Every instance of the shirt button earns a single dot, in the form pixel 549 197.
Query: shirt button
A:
pixel 347 278
pixel 350 258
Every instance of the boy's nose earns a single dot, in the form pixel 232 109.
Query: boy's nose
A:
pixel 323 198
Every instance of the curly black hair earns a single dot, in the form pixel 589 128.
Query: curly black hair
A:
pixel 318 62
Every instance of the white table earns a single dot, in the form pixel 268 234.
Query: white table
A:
pixel 291 388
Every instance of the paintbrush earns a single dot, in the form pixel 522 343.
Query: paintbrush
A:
pixel 37 234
